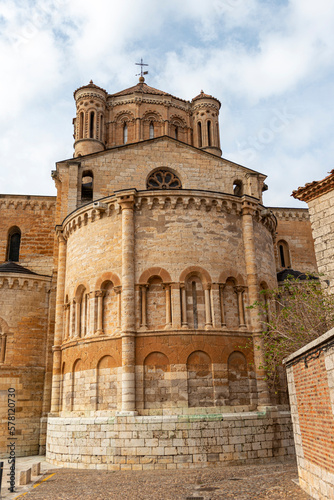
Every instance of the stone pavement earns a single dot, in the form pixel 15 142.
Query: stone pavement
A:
pixel 274 481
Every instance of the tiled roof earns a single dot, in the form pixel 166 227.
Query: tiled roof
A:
pixel 315 189
pixel 141 87
pixel 199 96
pixel 90 85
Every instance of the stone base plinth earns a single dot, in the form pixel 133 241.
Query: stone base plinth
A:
pixel 169 442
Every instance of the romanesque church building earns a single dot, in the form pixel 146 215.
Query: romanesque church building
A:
pixel 124 300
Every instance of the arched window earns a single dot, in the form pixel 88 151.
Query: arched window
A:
pixel 199 133
pixel 237 188
pixel 91 124
pixel 163 179
pixel 151 130
pixel 87 186
pixel 176 132
pixel 125 133
pixel 81 125
pixel 283 254
pixel 209 133
pixel 13 247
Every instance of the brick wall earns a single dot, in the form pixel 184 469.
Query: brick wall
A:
pixel 35 217
pixel 311 390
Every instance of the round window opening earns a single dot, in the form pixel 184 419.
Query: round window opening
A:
pixel 163 179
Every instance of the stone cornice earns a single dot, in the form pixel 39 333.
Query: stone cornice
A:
pixel 288 214
pixel 24 202
pixel 315 189
pixel 146 100
pixel 24 282
pixel 169 200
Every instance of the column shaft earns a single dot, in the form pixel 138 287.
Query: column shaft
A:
pixel 126 202
pixel 184 306
pixel 208 321
pixel 253 293
pixel 59 327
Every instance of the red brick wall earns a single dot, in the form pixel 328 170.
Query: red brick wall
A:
pixel 315 412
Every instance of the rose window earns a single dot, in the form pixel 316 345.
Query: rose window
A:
pixel 163 179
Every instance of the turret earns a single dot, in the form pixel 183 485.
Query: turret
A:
pixel 205 110
pixel 90 121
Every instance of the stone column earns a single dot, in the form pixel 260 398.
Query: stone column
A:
pixel 3 347
pixel 59 326
pixel 205 134
pixel 126 201
pixel 215 305
pixel 77 303
pixel 222 309
pixel 208 320
pixel 99 294
pixel 253 292
pixel 143 292
pixel 71 319
pixel 67 321
pixel 118 290
pixel 184 323
pixel 168 306
pixel 92 307
pixel 176 306
pixel 239 290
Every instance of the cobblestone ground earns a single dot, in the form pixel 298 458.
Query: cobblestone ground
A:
pixel 260 482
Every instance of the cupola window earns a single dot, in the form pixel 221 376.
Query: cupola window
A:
pixel 199 133
pixel 176 132
pixel 91 124
pixel 163 179
pixel 125 133
pixel 209 134
pixel 151 130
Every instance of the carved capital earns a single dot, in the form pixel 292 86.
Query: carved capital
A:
pixel 126 200
pixel 117 289
pixel 60 234
pixel 100 293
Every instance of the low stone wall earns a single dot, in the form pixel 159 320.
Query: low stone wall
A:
pixel 169 442
pixel 310 374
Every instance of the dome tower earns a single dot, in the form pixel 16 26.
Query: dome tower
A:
pixel 205 123
pixel 90 122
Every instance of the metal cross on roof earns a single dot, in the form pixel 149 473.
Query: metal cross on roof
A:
pixel 142 73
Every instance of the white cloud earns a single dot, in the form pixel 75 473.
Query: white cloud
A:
pixel 256 57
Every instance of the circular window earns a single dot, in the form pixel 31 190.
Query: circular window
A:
pixel 163 179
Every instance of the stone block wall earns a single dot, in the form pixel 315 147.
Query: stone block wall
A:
pixel 311 390
pixel 294 228
pixel 322 220
pixel 170 441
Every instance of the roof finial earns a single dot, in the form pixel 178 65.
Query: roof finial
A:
pixel 142 73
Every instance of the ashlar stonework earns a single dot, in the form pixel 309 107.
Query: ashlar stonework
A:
pixel 126 342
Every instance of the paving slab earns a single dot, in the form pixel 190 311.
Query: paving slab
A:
pixel 276 481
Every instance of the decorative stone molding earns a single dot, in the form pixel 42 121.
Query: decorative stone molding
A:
pixel 32 204
pixel 24 282
pixel 287 214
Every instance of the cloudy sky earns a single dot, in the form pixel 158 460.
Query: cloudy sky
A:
pixel 269 62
